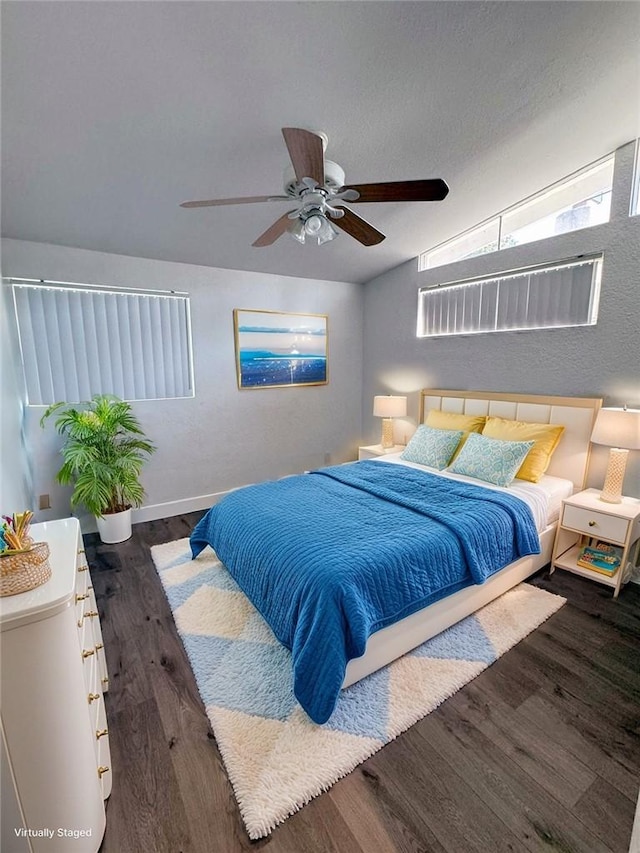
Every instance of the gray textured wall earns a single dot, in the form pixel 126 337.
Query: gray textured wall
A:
pixel 223 437
pixel 601 360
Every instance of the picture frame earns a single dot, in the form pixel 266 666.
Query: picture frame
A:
pixel 277 349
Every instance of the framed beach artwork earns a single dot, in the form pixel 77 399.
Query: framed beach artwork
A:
pixel 275 349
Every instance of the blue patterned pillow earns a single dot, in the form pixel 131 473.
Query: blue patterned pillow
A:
pixel 491 459
pixel 432 447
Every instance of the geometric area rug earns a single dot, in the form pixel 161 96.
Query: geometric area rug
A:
pixel 276 757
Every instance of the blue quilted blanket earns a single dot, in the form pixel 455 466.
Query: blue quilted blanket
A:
pixel 332 556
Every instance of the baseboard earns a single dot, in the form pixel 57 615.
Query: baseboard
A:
pixel 154 512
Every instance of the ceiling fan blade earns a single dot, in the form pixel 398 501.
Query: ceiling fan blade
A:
pixel 357 227
pixel 274 231
pixel 432 189
pixel 252 199
pixel 307 153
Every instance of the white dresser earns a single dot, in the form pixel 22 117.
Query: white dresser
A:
pixel 56 766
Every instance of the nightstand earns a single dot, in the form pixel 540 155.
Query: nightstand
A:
pixel 586 520
pixel 378 450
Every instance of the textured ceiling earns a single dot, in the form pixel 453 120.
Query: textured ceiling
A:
pixel 115 112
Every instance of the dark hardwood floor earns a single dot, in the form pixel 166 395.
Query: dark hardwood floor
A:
pixel 541 752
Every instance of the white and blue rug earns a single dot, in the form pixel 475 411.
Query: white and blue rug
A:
pixel 276 757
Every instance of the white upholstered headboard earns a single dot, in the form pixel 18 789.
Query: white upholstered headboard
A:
pixel 577 414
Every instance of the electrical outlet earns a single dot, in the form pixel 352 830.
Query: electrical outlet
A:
pixel 44 502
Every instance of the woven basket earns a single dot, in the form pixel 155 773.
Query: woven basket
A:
pixel 24 571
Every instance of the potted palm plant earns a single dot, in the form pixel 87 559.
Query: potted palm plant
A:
pixel 103 454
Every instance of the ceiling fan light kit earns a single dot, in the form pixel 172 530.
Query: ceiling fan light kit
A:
pixel 317 185
pixel 315 225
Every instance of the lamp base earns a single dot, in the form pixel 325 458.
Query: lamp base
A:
pixel 387 433
pixel 612 490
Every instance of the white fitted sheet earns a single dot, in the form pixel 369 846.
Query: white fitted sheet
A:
pixel 543 498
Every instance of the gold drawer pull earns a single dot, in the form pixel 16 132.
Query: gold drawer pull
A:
pixel 101 733
pixel 81 597
pixel 98 645
pixel 83 568
pixel 86 653
pixel 89 614
pixel 93 697
pixel 104 680
pixel 592 523
pixel 80 550
pixel 102 770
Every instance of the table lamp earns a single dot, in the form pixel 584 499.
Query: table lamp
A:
pixel 389 408
pixel 619 429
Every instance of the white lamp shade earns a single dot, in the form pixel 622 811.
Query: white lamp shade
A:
pixel 389 407
pixel 617 428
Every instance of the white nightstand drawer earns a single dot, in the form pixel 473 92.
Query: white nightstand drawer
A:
pixel 593 523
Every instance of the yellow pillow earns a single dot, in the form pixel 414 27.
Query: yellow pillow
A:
pixel 546 437
pixel 452 420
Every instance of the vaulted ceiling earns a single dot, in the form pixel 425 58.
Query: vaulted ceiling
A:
pixel 115 112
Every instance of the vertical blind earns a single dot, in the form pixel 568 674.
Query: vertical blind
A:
pixel 79 341
pixel 565 294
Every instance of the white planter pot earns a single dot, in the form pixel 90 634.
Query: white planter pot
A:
pixel 115 527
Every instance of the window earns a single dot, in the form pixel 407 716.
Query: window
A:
pixel 541 297
pixel 579 201
pixel 478 241
pixel 635 190
pixel 80 340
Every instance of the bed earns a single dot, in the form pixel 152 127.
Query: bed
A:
pixel 352 566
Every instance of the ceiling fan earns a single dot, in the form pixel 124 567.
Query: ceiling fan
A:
pixel 317 185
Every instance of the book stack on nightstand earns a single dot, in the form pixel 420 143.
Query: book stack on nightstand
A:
pixel 372 450
pixel 598 540
pixel 602 558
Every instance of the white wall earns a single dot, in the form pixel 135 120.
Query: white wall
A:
pixel 601 360
pixel 223 437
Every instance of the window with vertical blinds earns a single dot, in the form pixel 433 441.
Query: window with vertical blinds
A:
pixel 541 297
pixel 81 340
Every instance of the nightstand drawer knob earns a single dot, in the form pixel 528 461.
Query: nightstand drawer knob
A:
pixel 93 697
pixel 86 653
pixel 102 770
pixel 101 733
pixel 592 523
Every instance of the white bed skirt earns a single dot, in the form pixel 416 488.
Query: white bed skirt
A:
pixel 395 640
